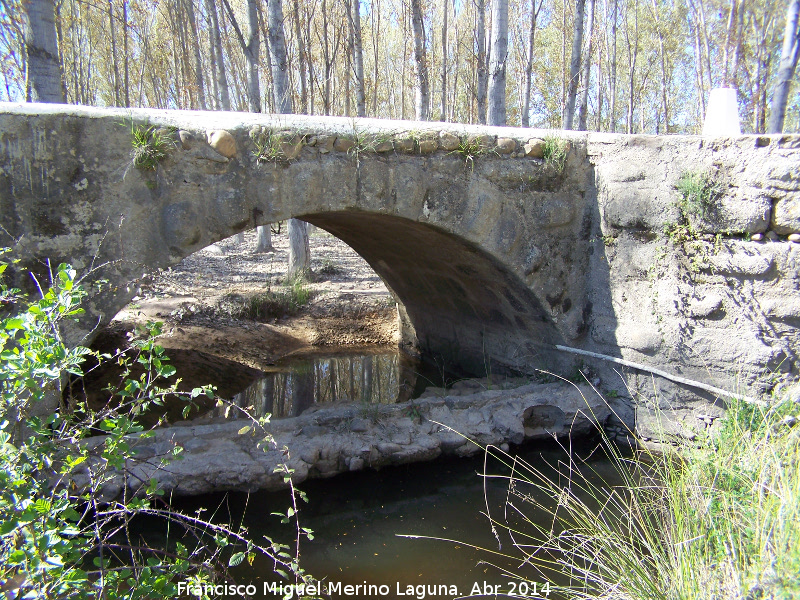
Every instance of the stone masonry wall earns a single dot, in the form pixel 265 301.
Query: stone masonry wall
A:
pixel 496 254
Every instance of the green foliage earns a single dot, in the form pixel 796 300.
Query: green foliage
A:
pixel 699 192
pixel 555 152
pixel 720 520
pixel 470 148
pixel 64 533
pixel 150 146
pixel 330 268
pixel 269 147
pixel 680 233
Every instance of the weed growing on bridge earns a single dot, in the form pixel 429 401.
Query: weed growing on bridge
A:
pixel 150 146
pixel 555 152
pixel 471 148
pixel 699 192
pixel 269 147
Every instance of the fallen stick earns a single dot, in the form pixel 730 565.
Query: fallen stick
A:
pixel 664 374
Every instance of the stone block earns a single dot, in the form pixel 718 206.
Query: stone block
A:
pixel 742 263
pixel 705 307
pixel 404 144
pixel 325 143
pixel 748 212
pixel 506 145
pixel 637 207
pixel 534 148
pixel 187 140
pixel 786 214
pixel 428 146
pixel 343 144
pixel 223 142
pixel 448 141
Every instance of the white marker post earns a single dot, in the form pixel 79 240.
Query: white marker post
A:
pixel 722 114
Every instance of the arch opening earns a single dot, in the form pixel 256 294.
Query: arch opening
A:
pixel 459 306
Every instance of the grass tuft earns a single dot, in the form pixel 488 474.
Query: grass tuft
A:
pixel 268 305
pixel 718 520
pixel 150 146
pixel 555 152
pixel 699 192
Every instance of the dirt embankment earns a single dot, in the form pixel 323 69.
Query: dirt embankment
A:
pixel 208 302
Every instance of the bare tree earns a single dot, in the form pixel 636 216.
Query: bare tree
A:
pixel 43 82
pixel 583 106
pixel 251 47
pixel 443 115
pixel 497 63
pixel 613 84
pixel 526 105
pixel 198 61
pixel 788 64
pixel 482 60
pixel 217 57
pixel 354 19
pixel 301 55
pixel 420 62
pixel 574 65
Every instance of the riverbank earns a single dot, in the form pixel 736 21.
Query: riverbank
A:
pixel 203 302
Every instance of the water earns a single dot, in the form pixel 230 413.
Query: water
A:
pixel 356 519
pixel 372 376
pixel 301 382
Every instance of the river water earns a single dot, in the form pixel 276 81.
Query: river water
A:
pixel 358 518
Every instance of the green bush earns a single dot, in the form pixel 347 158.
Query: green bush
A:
pixel 64 532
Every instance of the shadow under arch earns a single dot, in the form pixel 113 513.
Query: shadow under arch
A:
pixel 460 306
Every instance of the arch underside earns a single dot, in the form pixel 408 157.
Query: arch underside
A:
pixel 465 311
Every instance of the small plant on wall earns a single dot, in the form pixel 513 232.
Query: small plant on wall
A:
pixel 699 192
pixel 555 152
pixel 150 146
pixel 269 147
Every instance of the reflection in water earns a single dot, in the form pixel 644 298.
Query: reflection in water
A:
pixel 372 379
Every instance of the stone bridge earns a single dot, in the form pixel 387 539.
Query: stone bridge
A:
pixel 494 254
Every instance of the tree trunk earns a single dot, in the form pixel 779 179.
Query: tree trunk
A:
pixel 583 107
pixel 420 62
pixel 663 58
pixel 729 35
pixel 126 51
pixel 114 62
pixel 280 63
pixel 786 68
pixel 222 78
pixel 198 62
pixel 483 67
pixel 526 104
pixel 574 65
pixel 299 253
pixel 301 55
pixel 252 52
pixel 497 65
pixel 443 115
pixel 354 17
pixel 43 81
pixel 251 48
pixel 613 91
